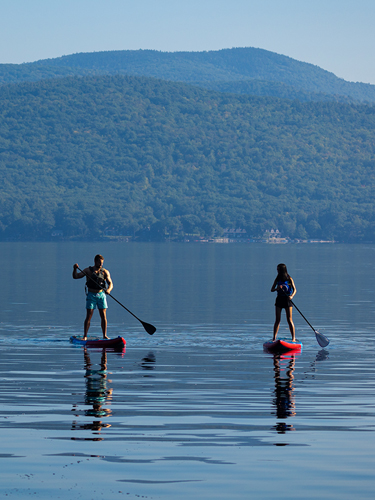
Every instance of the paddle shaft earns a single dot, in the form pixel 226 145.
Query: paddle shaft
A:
pixel 312 328
pixel 293 304
pixel 145 325
pixel 321 339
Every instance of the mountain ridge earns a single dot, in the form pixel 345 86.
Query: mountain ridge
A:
pixel 244 64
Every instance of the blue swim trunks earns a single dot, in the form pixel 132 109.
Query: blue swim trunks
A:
pixel 96 299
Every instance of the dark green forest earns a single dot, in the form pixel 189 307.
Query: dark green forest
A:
pixel 137 156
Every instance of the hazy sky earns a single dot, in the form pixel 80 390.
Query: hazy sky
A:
pixel 337 35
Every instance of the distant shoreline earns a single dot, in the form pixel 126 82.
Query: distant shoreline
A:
pixel 194 241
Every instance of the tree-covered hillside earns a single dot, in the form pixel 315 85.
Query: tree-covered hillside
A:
pixel 16 73
pixel 248 70
pixel 126 155
pixel 273 89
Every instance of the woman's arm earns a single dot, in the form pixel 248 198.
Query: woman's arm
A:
pixel 294 288
pixel 274 286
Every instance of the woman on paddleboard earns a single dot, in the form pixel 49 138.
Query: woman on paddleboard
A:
pixel 286 290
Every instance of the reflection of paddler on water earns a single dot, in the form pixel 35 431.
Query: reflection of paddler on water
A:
pixel 284 400
pixel 97 393
pixel 148 362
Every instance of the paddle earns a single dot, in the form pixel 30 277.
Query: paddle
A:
pixel 320 338
pixel 150 329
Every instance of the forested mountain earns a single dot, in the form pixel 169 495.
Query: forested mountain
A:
pixel 133 155
pixel 17 73
pixel 239 70
pixel 274 89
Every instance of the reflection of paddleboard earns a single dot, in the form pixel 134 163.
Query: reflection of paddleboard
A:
pixel 282 345
pixel 117 343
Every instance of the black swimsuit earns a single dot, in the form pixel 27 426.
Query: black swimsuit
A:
pixel 282 300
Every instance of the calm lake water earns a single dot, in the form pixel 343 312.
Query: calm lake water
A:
pixel 197 410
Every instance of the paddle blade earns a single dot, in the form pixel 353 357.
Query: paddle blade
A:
pixel 321 339
pixel 150 329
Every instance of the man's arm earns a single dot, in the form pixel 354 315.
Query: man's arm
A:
pixel 109 282
pixel 78 275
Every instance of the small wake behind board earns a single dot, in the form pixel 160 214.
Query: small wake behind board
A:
pixel 117 343
pixel 282 345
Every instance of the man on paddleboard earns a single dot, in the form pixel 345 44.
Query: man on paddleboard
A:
pixel 98 284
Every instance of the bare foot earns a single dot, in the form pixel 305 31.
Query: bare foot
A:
pixel 105 337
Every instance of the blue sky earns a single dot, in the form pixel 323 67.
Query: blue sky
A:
pixel 337 35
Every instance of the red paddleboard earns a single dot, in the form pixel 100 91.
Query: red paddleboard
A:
pixel 117 343
pixel 282 345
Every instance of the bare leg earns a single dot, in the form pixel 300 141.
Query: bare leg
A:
pixel 103 316
pixel 277 322
pixel 87 322
pixel 290 322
